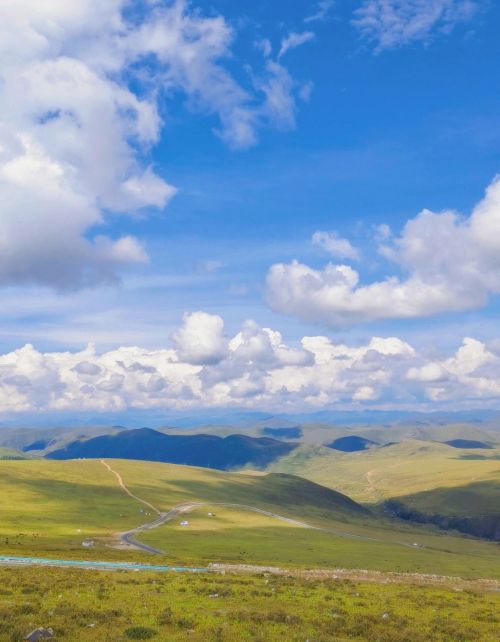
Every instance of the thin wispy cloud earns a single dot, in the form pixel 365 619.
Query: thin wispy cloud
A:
pixel 393 23
pixel 294 40
pixel 322 11
pixel 335 245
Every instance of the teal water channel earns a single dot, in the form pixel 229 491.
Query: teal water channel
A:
pixel 112 566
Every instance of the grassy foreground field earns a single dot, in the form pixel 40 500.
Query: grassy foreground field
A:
pixel 48 509
pixel 114 607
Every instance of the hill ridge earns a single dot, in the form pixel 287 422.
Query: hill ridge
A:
pixel 208 451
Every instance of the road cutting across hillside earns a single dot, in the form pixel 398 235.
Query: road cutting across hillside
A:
pixel 128 538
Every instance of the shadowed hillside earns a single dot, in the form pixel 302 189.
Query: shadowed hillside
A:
pixel 351 444
pixel 467 444
pixel 208 451
pixel 473 509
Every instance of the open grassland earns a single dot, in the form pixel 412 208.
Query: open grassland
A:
pixel 53 506
pixel 9 453
pixel 393 471
pixel 115 607
pixel 424 481
pixel 237 536
pixel 49 508
pixel 166 485
pixel 475 499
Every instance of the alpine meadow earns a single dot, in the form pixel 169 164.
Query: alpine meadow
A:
pixel 249 321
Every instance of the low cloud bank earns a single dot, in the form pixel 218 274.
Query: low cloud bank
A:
pixel 254 369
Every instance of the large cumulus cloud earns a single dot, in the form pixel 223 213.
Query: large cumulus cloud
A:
pixel 447 262
pixel 81 85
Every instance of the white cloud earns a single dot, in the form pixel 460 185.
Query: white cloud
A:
pixel 393 23
pixel 211 265
pixel 255 369
pixel 264 46
pixel 336 246
pixel 294 40
pixel 81 86
pixel 67 141
pixel 279 105
pixel 200 340
pixel 364 393
pixel 452 263
pixel 429 373
pixel 322 11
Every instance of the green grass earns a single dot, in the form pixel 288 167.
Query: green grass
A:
pixel 53 506
pixel 10 453
pixel 166 485
pixel 49 507
pixel 115 607
pixel 406 468
pixel 236 537
pixel 472 500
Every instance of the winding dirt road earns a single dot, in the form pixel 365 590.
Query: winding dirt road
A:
pixel 126 490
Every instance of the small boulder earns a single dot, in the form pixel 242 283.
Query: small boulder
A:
pixel 40 634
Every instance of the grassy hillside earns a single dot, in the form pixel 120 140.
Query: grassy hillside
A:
pixel 166 485
pixel 426 482
pixel 475 499
pixel 53 506
pixel 473 509
pixel 10 453
pixel 392 471
pixel 234 535
pixel 49 508
pixel 103 607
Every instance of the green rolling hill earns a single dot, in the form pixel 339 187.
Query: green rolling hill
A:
pixel 10 453
pixel 425 481
pixel 49 508
pixel 395 470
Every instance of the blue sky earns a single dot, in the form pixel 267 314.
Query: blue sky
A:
pixel 215 162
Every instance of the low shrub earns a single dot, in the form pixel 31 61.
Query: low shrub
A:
pixel 140 633
pixel 166 616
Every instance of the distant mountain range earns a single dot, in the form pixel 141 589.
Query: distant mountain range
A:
pixel 209 451
pixel 240 417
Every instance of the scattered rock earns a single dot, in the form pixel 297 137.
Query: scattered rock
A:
pixel 40 634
